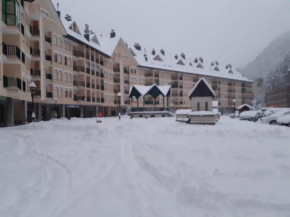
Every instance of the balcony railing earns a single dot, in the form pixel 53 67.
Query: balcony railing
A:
pixel 148 74
pixel 80 98
pixel 78 53
pixel 11 82
pixel 34 31
pixel 79 68
pixel 34 51
pixel 35 72
pixel 88 99
pixel 37 92
pixel 80 83
pixel 49 95
pixel 11 51
pixel 117 80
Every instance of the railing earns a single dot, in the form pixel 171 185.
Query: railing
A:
pixel 78 53
pixel 174 86
pixel 88 99
pixel 116 69
pixel 37 92
pixel 116 91
pixel 48 76
pixel 148 74
pixel 81 98
pixel 148 83
pixel 79 68
pixel 150 109
pixel 34 31
pixel 117 80
pixel 49 95
pixel 88 70
pixel 174 77
pixel 80 83
pixel 35 72
pixel 156 76
pixel 11 51
pixel 48 39
pixel 34 51
pixel 48 58
pixel 93 99
pixel 11 82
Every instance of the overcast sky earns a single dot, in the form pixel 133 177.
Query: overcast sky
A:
pixel 230 31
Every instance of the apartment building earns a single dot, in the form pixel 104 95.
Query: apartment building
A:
pixel 78 72
pixel 279 97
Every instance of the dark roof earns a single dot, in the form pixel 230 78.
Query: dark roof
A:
pixel 202 89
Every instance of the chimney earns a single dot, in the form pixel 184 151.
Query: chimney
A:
pixel 137 46
pixel 146 58
pixel 176 56
pixel 153 52
pixel 87 32
pixel 195 60
pixel 58 11
pixel 162 51
pixel 113 34
pixel 183 55
pixel 201 59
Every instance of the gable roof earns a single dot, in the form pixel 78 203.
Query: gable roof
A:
pixel 245 105
pixel 201 89
pixel 139 90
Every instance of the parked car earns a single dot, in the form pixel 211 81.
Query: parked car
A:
pixel 272 119
pixel 263 113
pixel 248 115
pixel 284 120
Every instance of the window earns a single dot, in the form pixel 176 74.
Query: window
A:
pixel 69 46
pixel 65 60
pixel 55 91
pixel 59 58
pixel 66 93
pixel 69 78
pixel 69 61
pixel 198 106
pixel 55 74
pixel 59 75
pixel 206 106
pixel 59 41
pixel 65 44
pixel 70 93
pixel 11 12
pixel 55 57
pixel 55 40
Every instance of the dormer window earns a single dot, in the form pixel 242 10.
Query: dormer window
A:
pixel 180 62
pixel 75 28
pixel 216 69
pixel 231 71
pixel 158 58
pixel 199 65
pixel 95 40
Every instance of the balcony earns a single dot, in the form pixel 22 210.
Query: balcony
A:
pixel 11 82
pixel 174 86
pixel 148 75
pixel 93 99
pixel 126 71
pixel 174 77
pixel 35 72
pixel 49 95
pixel 78 53
pixel 34 52
pixel 88 85
pixel 11 51
pixel 116 69
pixel 48 76
pixel 79 83
pixel 102 100
pixel 80 98
pixel 88 70
pixel 48 58
pixel 79 68
pixel 88 99
pixel 11 13
pixel 88 56
pixel 116 90
pixel 48 39
pixel 34 31
pixel 117 80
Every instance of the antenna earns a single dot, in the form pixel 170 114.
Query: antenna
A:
pixel 58 6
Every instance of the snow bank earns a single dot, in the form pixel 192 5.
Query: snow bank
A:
pixel 144 167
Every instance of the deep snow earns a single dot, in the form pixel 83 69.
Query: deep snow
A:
pixel 146 168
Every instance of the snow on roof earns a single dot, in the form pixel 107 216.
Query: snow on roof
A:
pixel 202 113
pixel 170 63
pixel 106 44
pixel 183 111
pixel 245 105
pixel 196 85
pixel 143 90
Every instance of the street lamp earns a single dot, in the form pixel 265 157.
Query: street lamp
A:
pixel 234 105
pixel 32 88
pixel 119 97
pixel 55 102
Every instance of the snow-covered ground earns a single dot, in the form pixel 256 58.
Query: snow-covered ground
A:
pixel 144 168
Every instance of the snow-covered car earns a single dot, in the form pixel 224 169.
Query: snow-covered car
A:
pixel 272 119
pixel 263 113
pixel 284 120
pixel 248 115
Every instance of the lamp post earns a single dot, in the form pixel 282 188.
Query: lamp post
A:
pixel 119 97
pixel 55 102
pixel 32 88
pixel 234 106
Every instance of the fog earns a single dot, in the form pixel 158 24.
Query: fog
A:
pixel 230 31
